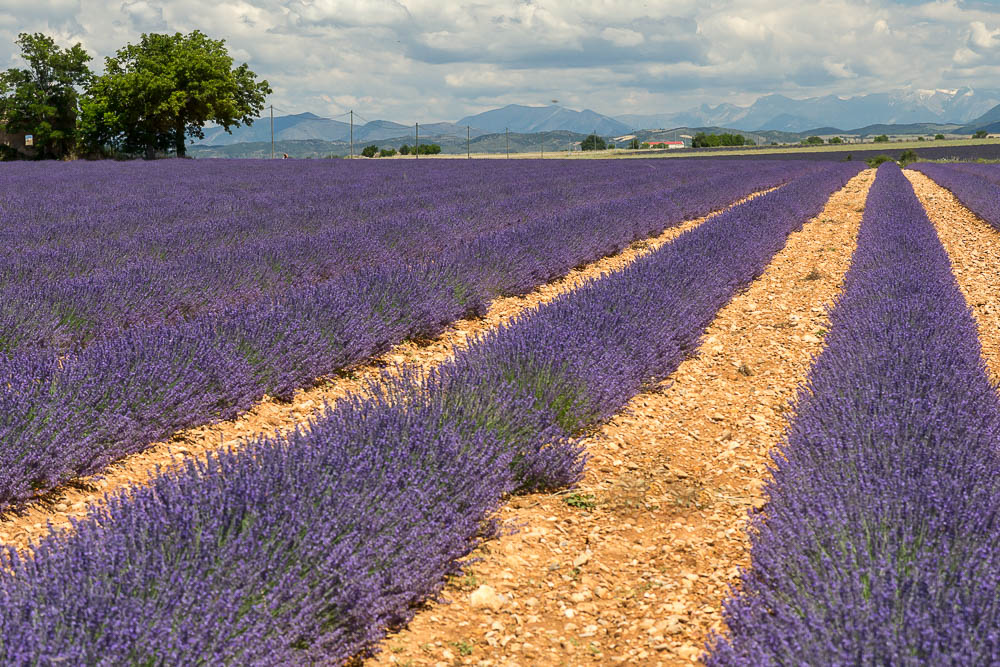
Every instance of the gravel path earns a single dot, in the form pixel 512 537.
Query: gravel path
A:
pixel 632 567
pixel 269 417
pixel 974 248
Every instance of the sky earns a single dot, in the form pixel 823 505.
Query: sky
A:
pixel 431 60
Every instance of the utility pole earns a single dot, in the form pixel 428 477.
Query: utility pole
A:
pixel 416 148
pixel 272 131
pixel 352 134
pixel 507 133
pixel 468 142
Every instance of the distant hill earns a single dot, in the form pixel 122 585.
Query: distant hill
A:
pixel 308 126
pixel 989 121
pixel 778 112
pixel 524 119
pixel 559 140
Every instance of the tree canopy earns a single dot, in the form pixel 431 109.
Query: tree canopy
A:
pixel 593 142
pixel 43 99
pixel 157 93
pixel 702 140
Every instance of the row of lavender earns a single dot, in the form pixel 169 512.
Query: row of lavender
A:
pixel 305 549
pixel 71 413
pixel 976 185
pixel 879 542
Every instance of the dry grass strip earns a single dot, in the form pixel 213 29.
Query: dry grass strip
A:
pixel 632 567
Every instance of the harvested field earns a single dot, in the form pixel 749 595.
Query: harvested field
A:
pixel 632 566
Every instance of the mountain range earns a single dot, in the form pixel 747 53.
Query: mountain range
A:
pixel 961 111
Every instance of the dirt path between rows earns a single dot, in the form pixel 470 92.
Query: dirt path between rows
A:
pixel 273 417
pixel 632 566
pixel 974 248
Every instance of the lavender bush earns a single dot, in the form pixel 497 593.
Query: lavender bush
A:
pixel 878 542
pixel 977 186
pixel 177 293
pixel 308 548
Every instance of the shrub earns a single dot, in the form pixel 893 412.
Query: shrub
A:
pixel 370 151
pixel 878 159
pixel 387 152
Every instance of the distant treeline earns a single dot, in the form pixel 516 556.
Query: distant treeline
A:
pixel 702 140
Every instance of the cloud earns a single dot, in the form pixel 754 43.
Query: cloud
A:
pixel 432 60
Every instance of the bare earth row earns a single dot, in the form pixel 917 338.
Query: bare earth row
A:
pixel 633 566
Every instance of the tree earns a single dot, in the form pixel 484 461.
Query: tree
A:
pixel 369 151
pixel 835 140
pixel 881 139
pixel 980 134
pixel 43 100
pixel 593 143
pixel 404 149
pixel 387 152
pixel 812 141
pixel 158 92
pixel 939 136
pixel 634 144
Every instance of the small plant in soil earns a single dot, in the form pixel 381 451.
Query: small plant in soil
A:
pixel 813 275
pixel 744 370
pixel 581 501
pixel 463 647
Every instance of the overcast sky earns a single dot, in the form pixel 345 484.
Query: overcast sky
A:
pixel 434 60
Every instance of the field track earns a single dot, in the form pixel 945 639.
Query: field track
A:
pixel 974 249
pixel 19 529
pixel 638 575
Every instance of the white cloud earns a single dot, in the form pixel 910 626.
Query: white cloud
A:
pixel 436 60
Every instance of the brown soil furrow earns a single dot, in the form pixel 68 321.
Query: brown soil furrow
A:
pixel 632 567
pixel 974 248
pixel 18 529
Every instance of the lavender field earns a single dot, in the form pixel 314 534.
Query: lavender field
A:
pixel 160 296
pixel 173 294
pixel 308 548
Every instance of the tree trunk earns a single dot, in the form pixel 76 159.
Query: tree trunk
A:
pixel 179 139
pixel 150 152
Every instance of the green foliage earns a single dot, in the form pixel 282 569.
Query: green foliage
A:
pixel 634 144
pixel 812 141
pixel 370 151
pixel 428 149
pixel 645 145
pixel 907 157
pixel 702 140
pixel 387 152
pixel 44 99
pixel 939 136
pixel 881 139
pixel 593 142
pixel 878 159
pixel 980 134
pixel 581 501
pixel 835 140
pixel 404 149
pixel 156 93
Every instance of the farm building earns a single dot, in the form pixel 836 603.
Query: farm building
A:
pixel 16 141
pixel 666 144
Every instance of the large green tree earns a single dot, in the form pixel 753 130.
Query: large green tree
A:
pixel 157 93
pixel 43 99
